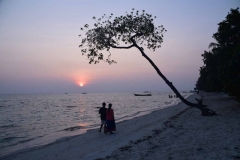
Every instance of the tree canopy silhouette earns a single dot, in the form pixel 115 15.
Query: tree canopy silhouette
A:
pixel 221 69
pixel 124 32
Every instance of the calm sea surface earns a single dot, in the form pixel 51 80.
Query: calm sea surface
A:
pixel 38 119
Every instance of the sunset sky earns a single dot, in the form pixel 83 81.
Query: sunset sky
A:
pixel 39 45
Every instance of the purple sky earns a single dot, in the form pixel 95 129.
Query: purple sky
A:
pixel 39 45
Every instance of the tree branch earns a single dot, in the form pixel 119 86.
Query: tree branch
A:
pixel 163 77
pixel 132 38
pixel 121 47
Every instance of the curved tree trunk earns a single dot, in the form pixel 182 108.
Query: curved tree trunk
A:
pixel 205 111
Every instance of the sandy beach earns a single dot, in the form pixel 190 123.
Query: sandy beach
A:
pixel 177 132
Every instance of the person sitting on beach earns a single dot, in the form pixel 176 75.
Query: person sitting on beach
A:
pixel 102 112
pixel 110 120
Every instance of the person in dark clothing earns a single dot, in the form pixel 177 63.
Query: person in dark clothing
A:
pixel 102 112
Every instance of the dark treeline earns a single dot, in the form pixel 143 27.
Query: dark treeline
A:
pixel 221 69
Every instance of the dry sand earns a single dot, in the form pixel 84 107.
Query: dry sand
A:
pixel 177 132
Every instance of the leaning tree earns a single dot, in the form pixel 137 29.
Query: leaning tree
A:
pixel 132 30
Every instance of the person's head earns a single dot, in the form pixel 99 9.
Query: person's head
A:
pixel 103 104
pixel 110 105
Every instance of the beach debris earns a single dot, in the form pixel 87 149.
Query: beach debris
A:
pixel 199 149
pixel 235 157
pixel 156 131
pixel 125 148
pixel 74 128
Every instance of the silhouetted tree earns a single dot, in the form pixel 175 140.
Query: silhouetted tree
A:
pixel 221 70
pixel 132 30
pixel 209 79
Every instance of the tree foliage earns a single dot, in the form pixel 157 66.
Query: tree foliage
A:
pixel 221 70
pixel 120 32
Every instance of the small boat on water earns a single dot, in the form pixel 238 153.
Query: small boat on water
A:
pixel 142 94
pixel 84 93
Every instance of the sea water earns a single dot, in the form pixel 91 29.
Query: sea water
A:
pixel 39 119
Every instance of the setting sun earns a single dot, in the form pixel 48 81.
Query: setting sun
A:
pixel 81 84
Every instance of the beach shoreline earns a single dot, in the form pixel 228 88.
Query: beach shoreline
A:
pixel 137 138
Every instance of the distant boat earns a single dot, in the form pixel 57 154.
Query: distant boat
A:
pixel 142 94
pixel 84 93
pixel 66 93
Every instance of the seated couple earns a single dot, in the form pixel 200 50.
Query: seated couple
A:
pixel 107 118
